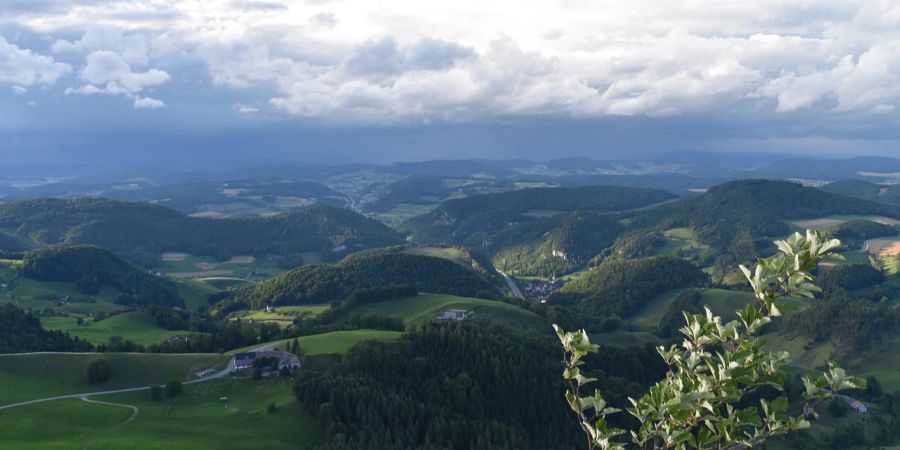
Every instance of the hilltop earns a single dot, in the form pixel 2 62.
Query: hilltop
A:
pixel 142 231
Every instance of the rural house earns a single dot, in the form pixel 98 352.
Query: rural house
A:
pixel 857 405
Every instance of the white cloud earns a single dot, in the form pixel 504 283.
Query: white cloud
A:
pixel 133 48
pixel 22 67
pixel 106 72
pixel 410 61
pixel 245 109
pixel 148 102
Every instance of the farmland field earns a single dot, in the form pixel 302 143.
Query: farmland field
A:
pixel 722 302
pixel 183 265
pixel 283 315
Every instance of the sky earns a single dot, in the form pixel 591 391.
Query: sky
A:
pixel 352 80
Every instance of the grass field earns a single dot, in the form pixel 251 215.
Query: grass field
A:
pixel 333 343
pixel 423 307
pixel 30 294
pixel 183 265
pixel 135 326
pixel 31 376
pixel 196 419
pixel 195 293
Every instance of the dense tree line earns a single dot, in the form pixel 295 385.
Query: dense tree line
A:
pixel 22 332
pixel 141 231
pixel 621 286
pixel 327 282
pixel 454 386
pixel 90 267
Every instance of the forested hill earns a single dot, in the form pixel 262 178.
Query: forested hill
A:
pixel 467 221
pixel 90 267
pixel 554 245
pixel 889 195
pixel 623 286
pixel 368 269
pixel 737 217
pixel 141 231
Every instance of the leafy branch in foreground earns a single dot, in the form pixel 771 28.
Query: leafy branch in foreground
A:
pixel 716 367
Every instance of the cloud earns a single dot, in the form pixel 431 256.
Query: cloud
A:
pixel 147 102
pixel 23 67
pixel 133 48
pixel 106 72
pixel 472 60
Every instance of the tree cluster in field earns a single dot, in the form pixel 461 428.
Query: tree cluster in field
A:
pixel 90 267
pixel 21 332
pixel 385 267
pixel 623 286
pixel 141 231
pixel 855 232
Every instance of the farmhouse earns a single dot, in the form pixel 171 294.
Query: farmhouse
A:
pixel 857 405
pixel 243 361
pixel 455 314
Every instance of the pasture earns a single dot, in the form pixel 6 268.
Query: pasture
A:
pixel 423 307
pixel 331 343
pixel 41 375
pixel 196 419
pixel 721 302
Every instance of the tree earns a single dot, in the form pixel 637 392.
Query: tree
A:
pixel 156 393
pixel 99 371
pixel 174 388
pixel 719 366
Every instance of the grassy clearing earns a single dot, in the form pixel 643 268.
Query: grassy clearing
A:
pixel 195 293
pixel 283 315
pixel 405 211
pixel 196 419
pixel 32 376
pixel 542 213
pixel 423 307
pixel 30 294
pixel 135 326
pixel 722 302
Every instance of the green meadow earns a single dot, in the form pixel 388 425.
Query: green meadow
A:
pixel 196 419
pixel 423 307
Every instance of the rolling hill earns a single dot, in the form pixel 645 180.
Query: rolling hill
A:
pixel 887 194
pixel 384 267
pixel 141 231
pixel 472 221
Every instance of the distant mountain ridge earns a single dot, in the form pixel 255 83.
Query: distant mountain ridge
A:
pixel 141 231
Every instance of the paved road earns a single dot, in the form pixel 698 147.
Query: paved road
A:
pixel 512 286
pixel 85 395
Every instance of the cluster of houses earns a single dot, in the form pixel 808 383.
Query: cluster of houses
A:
pixel 457 315
pixel 283 360
pixel 541 290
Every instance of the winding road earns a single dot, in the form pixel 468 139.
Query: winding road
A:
pixel 512 286
pixel 86 395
